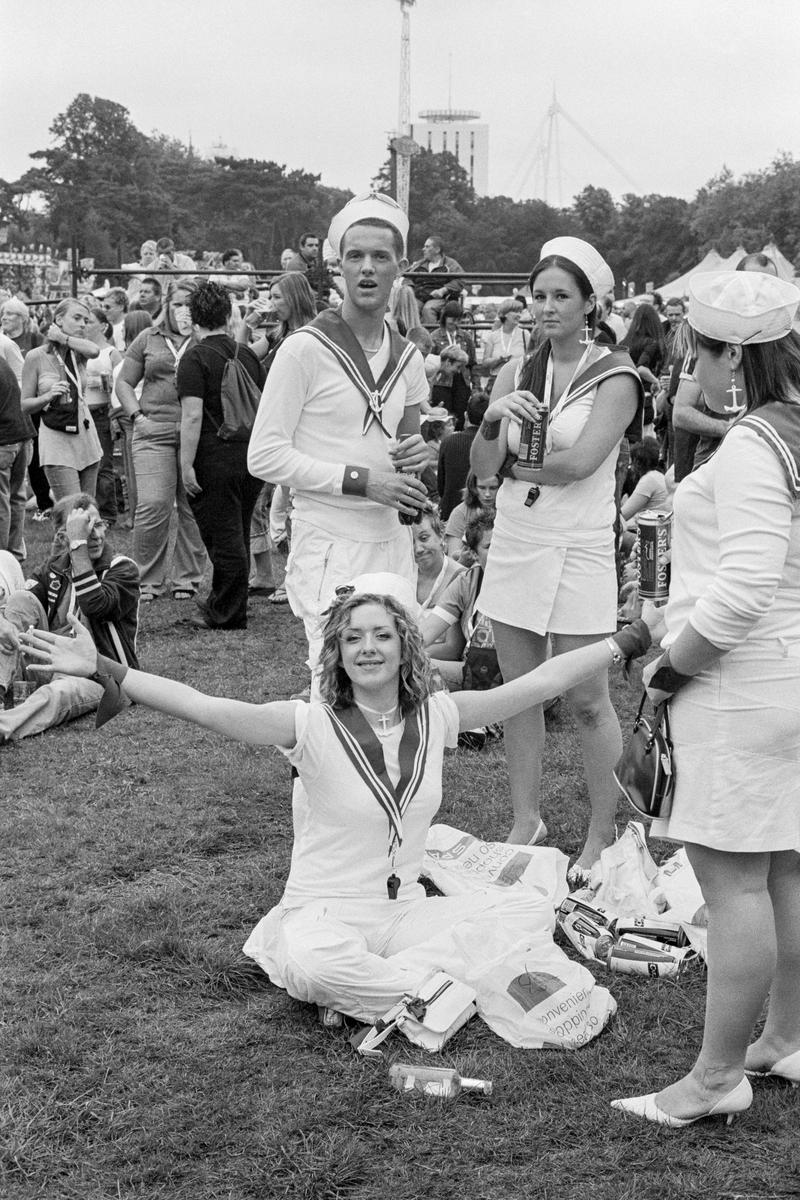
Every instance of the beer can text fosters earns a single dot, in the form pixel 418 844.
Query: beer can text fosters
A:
pixel 655 539
pixel 532 439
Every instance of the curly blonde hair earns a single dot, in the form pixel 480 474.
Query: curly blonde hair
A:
pixel 415 683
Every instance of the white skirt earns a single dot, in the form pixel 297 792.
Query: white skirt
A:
pixel 736 732
pixel 569 589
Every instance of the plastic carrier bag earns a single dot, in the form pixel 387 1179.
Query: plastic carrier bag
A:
pixel 535 997
pixel 457 863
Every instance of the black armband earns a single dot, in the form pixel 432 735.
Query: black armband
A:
pixel 490 430
pixel 665 678
pixel 355 480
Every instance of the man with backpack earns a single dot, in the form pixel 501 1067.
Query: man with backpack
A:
pixel 218 386
pixel 339 422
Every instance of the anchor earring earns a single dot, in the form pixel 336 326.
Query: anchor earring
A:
pixel 588 337
pixel 733 391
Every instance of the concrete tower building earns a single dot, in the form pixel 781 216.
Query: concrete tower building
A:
pixel 455 130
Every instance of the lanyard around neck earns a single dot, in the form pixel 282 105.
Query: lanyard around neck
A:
pixel 548 383
pixel 74 375
pixel 177 353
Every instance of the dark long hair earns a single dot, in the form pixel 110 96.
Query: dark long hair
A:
pixel 534 367
pixel 645 328
pixel 771 370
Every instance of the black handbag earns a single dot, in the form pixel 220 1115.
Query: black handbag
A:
pixel 62 413
pixel 645 772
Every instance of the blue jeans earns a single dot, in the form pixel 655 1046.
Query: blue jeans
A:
pixel 14 459
pixel 66 481
pixel 106 484
pixel 156 461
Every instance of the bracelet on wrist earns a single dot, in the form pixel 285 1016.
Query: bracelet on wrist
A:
pixel 617 656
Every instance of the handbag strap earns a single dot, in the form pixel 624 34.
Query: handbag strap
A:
pixel 660 720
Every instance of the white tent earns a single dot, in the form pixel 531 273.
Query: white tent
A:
pixel 713 261
pixel 732 261
pixel 785 268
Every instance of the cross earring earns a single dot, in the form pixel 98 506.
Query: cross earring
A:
pixel 587 339
pixel 733 392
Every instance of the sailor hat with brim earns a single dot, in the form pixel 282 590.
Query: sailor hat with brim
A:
pixel 592 263
pixel 368 206
pixel 742 308
pixel 382 583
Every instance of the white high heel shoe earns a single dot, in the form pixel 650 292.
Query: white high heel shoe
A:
pixel 539 835
pixel 737 1100
pixel 787 1068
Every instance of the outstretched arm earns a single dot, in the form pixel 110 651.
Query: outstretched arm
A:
pixel 552 678
pixel 259 724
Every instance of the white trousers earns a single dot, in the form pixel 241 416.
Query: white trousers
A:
pixel 360 957
pixel 319 563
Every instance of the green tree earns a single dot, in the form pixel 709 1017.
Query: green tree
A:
pixel 89 177
pixel 759 207
pixel 653 239
pixel 595 216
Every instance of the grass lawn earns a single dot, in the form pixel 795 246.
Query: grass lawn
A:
pixel 144 1056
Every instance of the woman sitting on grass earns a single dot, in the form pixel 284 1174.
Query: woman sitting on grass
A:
pixel 478 496
pixel 354 930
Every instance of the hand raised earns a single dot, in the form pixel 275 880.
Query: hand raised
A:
pixel 76 655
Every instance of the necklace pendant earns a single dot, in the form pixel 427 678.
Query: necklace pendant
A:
pixel 384 721
pixel 393 886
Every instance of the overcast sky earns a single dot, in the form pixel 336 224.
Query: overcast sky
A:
pixel 669 89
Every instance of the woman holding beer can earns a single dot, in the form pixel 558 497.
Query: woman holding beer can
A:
pixel 731 664
pixel 551 567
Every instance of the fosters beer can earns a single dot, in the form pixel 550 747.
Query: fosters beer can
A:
pixel 655 539
pixel 532 439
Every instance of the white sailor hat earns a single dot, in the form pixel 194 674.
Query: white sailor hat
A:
pixel 742 308
pixel 592 263
pixel 369 205
pixel 382 583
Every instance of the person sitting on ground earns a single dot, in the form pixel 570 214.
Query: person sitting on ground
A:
pixel 83 576
pixel 456 608
pixel 354 930
pixel 479 495
pixel 646 486
pixel 435 572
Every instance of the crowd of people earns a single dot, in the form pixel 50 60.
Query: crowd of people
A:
pixel 448 589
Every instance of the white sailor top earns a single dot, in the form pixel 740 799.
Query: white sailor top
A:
pixel 346 841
